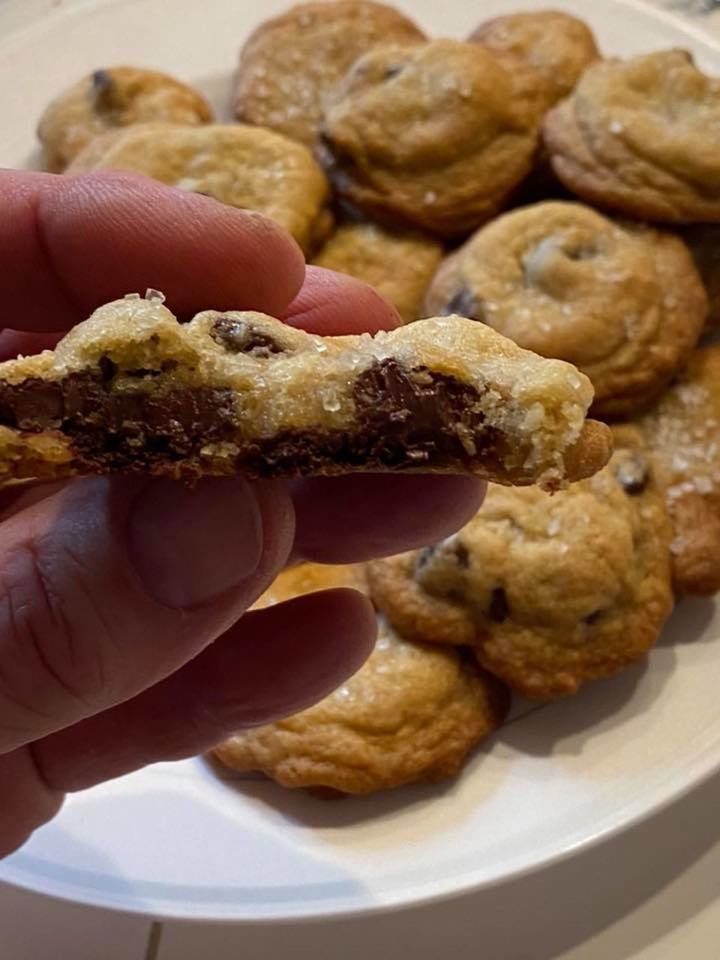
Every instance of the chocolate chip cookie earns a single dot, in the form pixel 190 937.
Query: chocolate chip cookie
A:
pixel 291 65
pixel 558 45
pixel 682 434
pixel 624 303
pixel 114 98
pixel 642 137
pixel 412 713
pixel 434 136
pixel 241 166
pixel 399 264
pixel 550 592
pixel 131 389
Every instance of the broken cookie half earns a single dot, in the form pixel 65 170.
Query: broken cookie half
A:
pixel 133 390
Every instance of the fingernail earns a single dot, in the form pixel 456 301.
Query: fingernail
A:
pixel 189 545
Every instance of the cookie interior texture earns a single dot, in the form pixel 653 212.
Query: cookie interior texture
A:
pixel 412 713
pixel 550 593
pixel 133 389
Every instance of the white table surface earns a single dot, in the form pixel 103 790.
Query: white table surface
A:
pixel 652 893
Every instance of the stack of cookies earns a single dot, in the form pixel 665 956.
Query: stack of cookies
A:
pixel 518 179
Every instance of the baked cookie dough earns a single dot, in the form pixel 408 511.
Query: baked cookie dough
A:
pixel 412 713
pixel 291 65
pixel 642 137
pixel 550 592
pixel 114 98
pixel 131 389
pixel 399 264
pixel 624 303
pixel 242 166
pixel 434 136
pixel 556 44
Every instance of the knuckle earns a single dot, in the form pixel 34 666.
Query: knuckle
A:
pixel 50 635
pixel 28 801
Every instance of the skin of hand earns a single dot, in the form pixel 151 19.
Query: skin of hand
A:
pixel 124 636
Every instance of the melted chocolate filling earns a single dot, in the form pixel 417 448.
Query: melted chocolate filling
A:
pixel 403 419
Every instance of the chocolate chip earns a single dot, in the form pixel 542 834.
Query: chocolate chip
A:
pixel 462 555
pixel 499 608
pixel 411 417
pixel 103 92
pixel 582 252
pixel 34 404
pixel 101 80
pixel 424 557
pixel 108 369
pixel 464 303
pixel 454 594
pixel 633 473
pixel 142 373
pixel 239 336
pixel 393 71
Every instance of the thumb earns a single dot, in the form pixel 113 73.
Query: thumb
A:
pixel 108 586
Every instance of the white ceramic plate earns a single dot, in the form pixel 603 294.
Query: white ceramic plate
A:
pixel 176 841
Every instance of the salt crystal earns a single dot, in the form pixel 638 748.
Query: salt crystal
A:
pixel 187 183
pixel 678 545
pixel 156 295
pixel 553 527
pixel 430 197
pixel 704 485
pixel 330 400
pixel 131 296
pixel 616 127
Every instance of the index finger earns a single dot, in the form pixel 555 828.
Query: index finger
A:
pixel 71 243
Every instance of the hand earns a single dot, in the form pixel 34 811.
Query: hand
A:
pixel 124 637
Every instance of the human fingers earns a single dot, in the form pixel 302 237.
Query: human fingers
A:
pixel 107 587
pixel 71 243
pixel 272 663
pixel 360 517
pixel 332 304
